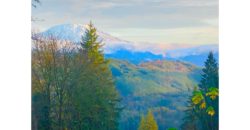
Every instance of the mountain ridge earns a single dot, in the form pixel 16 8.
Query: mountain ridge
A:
pixel 133 51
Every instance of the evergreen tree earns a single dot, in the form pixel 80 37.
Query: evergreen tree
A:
pixel 210 76
pixel 209 84
pixel 91 46
pixel 96 88
pixel 72 89
pixel 203 104
pixel 142 124
pixel 191 121
pixel 148 123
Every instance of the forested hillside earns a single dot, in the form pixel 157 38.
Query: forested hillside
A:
pixel 78 88
pixel 162 86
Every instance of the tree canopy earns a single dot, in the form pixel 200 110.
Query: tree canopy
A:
pixel 72 88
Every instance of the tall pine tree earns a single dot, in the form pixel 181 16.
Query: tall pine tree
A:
pixel 210 76
pixel 202 112
pixel 96 97
pixel 210 84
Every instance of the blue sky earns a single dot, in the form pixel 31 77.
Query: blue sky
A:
pixel 158 21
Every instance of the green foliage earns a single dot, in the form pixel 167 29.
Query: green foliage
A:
pixel 91 47
pixel 202 112
pixel 210 111
pixel 95 89
pixel 210 75
pixel 147 79
pixel 172 129
pixel 213 93
pixel 72 89
pixel 197 97
pixel 147 87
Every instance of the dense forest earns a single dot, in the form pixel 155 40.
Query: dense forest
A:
pixel 161 86
pixel 72 88
pixel 77 88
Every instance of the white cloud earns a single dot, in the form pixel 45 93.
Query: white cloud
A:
pixel 177 21
pixel 191 35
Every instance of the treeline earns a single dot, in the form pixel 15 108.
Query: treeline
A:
pixel 72 87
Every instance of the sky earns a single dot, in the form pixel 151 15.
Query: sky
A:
pixel 158 21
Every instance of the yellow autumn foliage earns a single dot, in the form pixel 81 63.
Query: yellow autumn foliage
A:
pixel 148 123
pixel 210 111
pixel 203 105
pixel 197 97
pixel 213 93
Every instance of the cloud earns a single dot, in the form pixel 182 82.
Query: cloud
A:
pixel 148 20
pixel 188 35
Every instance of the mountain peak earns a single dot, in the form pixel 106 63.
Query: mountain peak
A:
pixel 74 33
pixel 71 32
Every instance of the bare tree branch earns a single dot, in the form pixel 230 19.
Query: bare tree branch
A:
pixel 34 3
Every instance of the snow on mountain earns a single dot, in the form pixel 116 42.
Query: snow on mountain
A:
pixel 135 51
pixel 74 33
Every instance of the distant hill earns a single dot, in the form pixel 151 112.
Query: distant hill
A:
pixel 192 56
pixel 195 55
pixel 134 57
pixel 195 50
pixel 160 85
pixel 198 59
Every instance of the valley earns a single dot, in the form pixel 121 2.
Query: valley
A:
pixel 161 86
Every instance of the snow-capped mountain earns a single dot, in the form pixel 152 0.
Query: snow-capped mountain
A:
pixel 74 33
pixel 135 52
